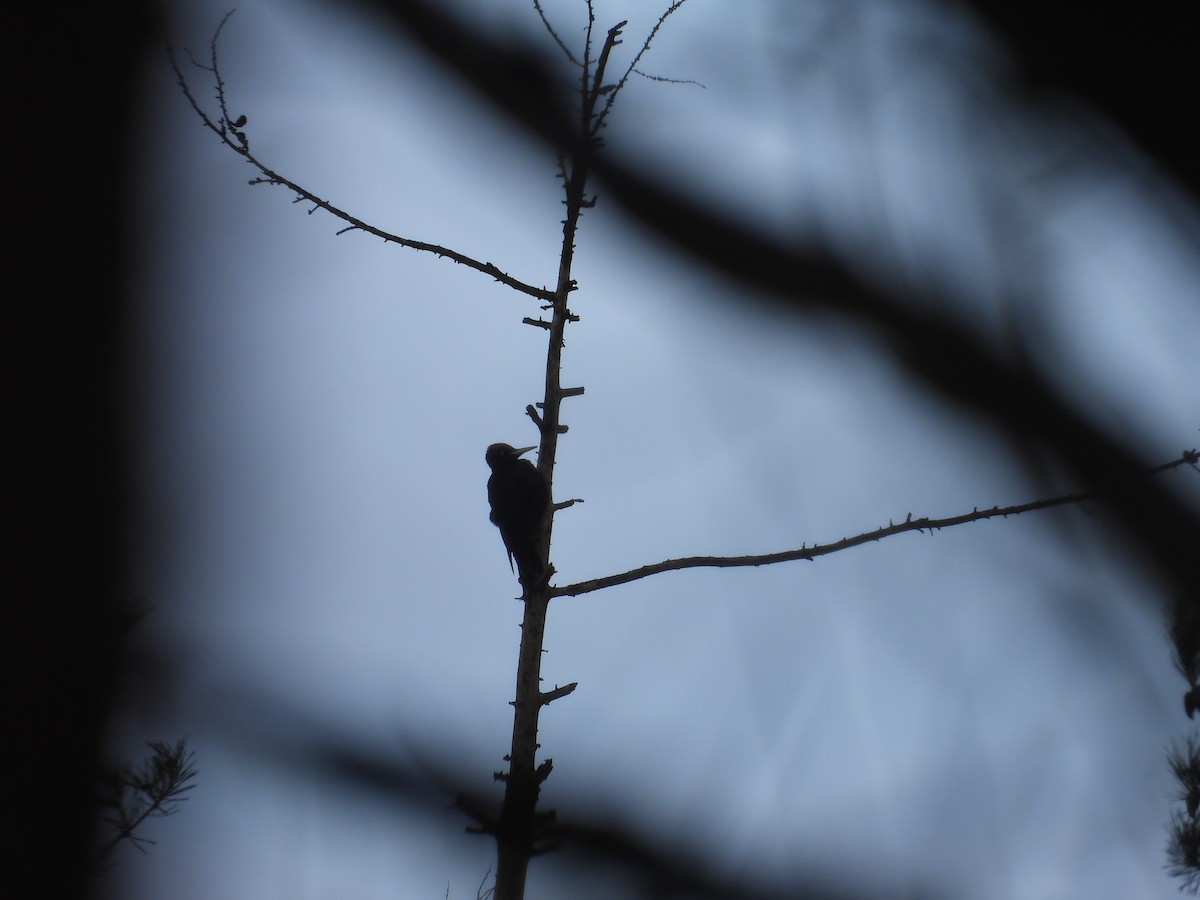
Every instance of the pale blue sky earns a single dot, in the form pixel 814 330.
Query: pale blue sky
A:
pixel 982 712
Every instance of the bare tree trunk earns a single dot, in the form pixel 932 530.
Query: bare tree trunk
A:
pixel 518 830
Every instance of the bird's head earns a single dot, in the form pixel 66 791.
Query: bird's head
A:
pixel 497 453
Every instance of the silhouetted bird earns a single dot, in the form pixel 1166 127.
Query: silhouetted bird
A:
pixel 520 498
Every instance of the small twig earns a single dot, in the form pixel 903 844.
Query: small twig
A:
pixel 554 34
pixel 548 697
pixel 665 80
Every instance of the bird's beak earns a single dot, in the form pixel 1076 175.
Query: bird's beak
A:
pixel 521 451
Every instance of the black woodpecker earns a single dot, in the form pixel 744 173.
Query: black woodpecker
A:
pixel 520 498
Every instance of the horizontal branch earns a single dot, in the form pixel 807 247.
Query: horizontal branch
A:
pixel 232 136
pixel 1188 457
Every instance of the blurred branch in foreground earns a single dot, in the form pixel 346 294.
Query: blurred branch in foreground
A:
pixel 154 789
pixel 583 840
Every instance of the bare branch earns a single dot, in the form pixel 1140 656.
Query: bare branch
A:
pixel 1188 457
pixel 554 34
pixel 587 53
pixel 665 80
pixel 230 132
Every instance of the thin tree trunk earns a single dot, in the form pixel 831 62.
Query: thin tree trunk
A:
pixel 518 829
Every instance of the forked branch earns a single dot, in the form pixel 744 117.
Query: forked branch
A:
pixel 602 118
pixel 1188 457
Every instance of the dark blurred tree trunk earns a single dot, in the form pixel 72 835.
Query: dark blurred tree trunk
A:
pixel 74 80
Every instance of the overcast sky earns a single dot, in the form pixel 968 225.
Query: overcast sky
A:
pixel 982 712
